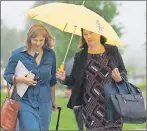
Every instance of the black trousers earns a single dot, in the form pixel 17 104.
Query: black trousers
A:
pixel 78 116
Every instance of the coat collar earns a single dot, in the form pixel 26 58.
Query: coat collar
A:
pixel 24 49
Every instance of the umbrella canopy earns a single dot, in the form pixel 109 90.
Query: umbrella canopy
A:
pixel 71 18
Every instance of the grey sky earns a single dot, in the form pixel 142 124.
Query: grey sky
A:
pixel 132 16
pixel 13 13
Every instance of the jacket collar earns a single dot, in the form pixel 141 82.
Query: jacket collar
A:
pixel 24 49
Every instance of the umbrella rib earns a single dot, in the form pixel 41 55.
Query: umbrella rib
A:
pixel 69 44
pixel 34 16
pixel 65 27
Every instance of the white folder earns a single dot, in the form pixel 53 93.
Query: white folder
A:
pixel 22 71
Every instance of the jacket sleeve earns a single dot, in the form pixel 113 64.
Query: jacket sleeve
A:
pixel 53 80
pixel 121 65
pixel 69 80
pixel 10 69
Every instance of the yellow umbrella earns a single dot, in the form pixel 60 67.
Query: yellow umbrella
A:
pixel 71 18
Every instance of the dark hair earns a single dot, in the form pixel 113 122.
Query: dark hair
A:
pixel 83 43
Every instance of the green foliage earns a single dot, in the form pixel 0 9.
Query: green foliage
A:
pixel 130 70
pixel 10 40
pixel 134 127
pixel 143 84
pixel 67 118
pixel 3 95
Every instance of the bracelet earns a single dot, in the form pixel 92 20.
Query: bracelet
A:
pixel 14 79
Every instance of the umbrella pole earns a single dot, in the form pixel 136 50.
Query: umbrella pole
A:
pixel 62 65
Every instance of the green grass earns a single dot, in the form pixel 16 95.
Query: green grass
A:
pixel 67 119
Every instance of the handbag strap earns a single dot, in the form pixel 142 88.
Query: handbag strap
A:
pixel 8 91
pixel 129 89
pixel 128 86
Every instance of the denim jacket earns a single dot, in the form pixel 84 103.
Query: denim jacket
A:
pixel 45 71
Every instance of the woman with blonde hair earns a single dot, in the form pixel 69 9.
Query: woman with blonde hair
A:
pixel 38 101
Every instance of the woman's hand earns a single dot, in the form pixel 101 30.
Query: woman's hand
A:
pixel 116 75
pixel 26 80
pixel 76 107
pixel 29 81
pixel 54 106
pixel 60 74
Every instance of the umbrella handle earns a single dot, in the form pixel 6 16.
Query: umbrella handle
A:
pixel 61 67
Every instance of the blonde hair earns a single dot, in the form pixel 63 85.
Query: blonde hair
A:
pixel 36 30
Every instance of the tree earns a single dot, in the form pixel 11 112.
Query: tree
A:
pixel 107 9
pixel 10 40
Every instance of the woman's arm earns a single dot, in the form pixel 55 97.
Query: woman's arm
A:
pixel 69 80
pixel 53 93
pixel 53 82
pixel 10 69
pixel 121 66
pixel 25 80
pixel 9 74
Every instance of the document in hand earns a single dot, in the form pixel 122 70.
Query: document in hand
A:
pixel 22 71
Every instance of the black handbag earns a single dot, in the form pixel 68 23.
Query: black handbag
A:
pixel 124 101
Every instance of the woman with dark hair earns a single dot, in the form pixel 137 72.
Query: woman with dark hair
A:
pixel 39 99
pixel 95 65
